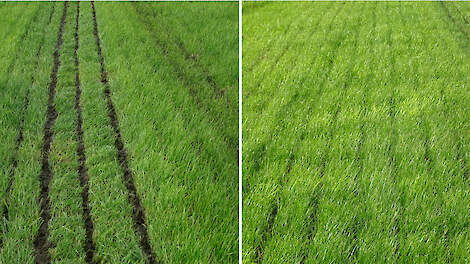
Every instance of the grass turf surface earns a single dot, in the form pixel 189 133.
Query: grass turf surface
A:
pixel 175 100
pixel 355 132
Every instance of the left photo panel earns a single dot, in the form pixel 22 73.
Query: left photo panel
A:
pixel 119 132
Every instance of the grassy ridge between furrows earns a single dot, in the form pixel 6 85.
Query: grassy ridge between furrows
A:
pixel 127 151
pixel 360 150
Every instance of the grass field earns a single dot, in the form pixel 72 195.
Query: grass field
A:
pixel 118 132
pixel 356 132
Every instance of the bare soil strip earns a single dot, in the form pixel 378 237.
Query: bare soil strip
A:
pixel 19 138
pixel 89 245
pixel 138 211
pixel 41 243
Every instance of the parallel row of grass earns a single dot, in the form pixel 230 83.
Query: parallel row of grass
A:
pixel 179 143
pixel 355 134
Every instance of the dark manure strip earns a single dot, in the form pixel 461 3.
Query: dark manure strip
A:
pixel 41 243
pixel 188 56
pixel 20 137
pixel 194 88
pixel 138 210
pixel 89 245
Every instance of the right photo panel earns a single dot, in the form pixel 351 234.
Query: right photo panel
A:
pixel 356 131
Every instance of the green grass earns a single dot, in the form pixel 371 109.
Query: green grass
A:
pixel 355 134
pixel 177 118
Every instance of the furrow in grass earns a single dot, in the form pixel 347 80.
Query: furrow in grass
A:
pixel 254 6
pixel 392 158
pixel 314 200
pixel 461 14
pixel 24 215
pixel 207 105
pixel 89 245
pixel 196 89
pixel 325 131
pixel 162 128
pixel 288 46
pixel 462 28
pixel 190 58
pixel 462 161
pixel 51 14
pixel 20 137
pixel 284 110
pixel 41 243
pixel 459 156
pixel 360 145
pixel 138 210
pixel 267 232
pixel 113 232
pixel 441 121
pixel 305 116
pixel 457 138
pixel 303 93
pixel 18 52
pixel 67 232
pixel 249 66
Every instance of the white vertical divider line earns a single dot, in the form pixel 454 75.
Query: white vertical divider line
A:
pixel 240 170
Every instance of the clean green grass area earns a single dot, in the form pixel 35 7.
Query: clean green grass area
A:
pixel 355 133
pixel 177 117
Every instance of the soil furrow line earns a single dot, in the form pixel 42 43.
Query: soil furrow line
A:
pixel 196 97
pixel 392 157
pixel 189 57
pixel 51 14
pixel 315 200
pixel 12 65
pixel 460 156
pixel 138 211
pixel 267 232
pixel 451 18
pixel 270 45
pixel 287 48
pixel 461 14
pixel 19 139
pixel 357 226
pixel 462 161
pixel 41 242
pixel 89 246
pixel 260 150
